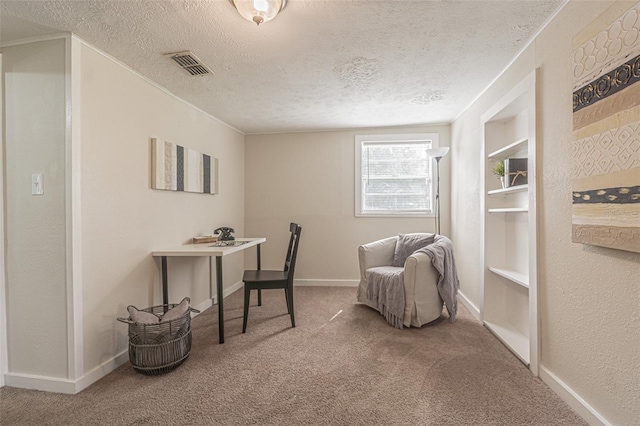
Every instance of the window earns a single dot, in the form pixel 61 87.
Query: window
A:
pixel 393 175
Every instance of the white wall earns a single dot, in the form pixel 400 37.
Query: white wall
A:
pixel 34 76
pixel 589 297
pixel 123 219
pixel 308 178
pixel 111 216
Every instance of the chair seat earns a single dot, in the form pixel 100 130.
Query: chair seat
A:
pixel 264 276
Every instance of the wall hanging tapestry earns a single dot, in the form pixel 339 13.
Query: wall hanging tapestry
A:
pixel 176 168
pixel 606 130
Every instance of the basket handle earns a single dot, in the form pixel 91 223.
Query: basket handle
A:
pixel 128 321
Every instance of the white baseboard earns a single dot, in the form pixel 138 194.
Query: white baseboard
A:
pixel 102 370
pixel 67 386
pixel 326 283
pixel 230 290
pixel 573 400
pixel 42 383
pixel 470 306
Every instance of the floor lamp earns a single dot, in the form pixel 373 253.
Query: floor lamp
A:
pixel 437 154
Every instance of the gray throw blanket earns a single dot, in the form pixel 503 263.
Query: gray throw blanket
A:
pixel 386 290
pixel 441 253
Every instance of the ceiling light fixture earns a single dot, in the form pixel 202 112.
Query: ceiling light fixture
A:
pixel 259 11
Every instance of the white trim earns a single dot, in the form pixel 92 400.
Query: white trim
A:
pixel 515 58
pixel 4 364
pixel 433 137
pixel 325 283
pixel 230 290
pixel 226 293
pixel 66 386
pixel 572 398
pixel 355 129
pixel 102 370
pixel 42 383
pixel 469 305
pixel 34 39
pixel 75 359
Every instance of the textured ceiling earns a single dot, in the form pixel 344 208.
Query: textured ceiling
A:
pixel 318 65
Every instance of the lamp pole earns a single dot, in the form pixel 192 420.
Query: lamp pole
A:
pixel 437 154
pixel 438 195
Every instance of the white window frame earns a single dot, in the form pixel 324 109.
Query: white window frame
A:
pixel 400 138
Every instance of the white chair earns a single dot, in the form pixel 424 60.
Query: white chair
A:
pixel 423 303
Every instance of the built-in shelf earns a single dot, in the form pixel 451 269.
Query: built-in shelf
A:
pixel 509 270
pixel 516 277
pixel 517 342
pixel 509 190
pixel 510 150
pixel 509 210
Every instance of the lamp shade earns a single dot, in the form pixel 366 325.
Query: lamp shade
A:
pixel 438 153
pixel 259 11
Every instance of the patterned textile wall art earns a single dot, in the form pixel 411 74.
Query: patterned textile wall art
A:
pixel 175 168
pixel 605 167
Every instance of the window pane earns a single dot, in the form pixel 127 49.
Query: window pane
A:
pixel 396 177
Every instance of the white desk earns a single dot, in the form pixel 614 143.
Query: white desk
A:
pixel 209 250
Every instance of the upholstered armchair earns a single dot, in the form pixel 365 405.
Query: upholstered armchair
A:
pixel 423 303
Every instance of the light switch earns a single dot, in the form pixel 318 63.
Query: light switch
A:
pixel 37 184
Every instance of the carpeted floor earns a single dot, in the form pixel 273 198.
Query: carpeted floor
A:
pixel 341 365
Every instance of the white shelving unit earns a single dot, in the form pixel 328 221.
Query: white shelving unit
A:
pixel 509 306
pixel 509 190
pixel 509 210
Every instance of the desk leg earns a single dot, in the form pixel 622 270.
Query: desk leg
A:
pixel 165 284
pixel 220 298
pixel 259 290
pixel 211 279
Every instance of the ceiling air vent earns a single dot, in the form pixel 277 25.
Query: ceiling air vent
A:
pixel 189 62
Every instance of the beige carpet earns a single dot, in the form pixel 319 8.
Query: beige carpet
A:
pixel 341 365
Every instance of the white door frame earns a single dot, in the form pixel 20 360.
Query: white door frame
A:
pixel 3 311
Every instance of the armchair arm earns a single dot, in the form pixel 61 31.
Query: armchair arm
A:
pixel 377 253
pixel 422 300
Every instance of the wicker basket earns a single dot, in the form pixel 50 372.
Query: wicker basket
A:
pixel 161 347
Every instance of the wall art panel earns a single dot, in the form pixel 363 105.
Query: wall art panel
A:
pixel 605 167
pixel 176 168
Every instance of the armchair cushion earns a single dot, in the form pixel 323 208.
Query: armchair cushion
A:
pixel 407 244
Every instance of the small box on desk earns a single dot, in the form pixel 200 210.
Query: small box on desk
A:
pixel 205 239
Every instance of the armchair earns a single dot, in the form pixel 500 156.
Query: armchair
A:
pixel 423 303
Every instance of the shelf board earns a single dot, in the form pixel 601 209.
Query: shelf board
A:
pixel 517 342
pixel 510 150
pixel 513 276
pixel 510 210
pixel 509 190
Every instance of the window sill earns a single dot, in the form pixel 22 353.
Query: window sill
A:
pixel 397 215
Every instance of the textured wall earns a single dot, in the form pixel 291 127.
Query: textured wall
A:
pixel 309 178
pixel 123 219
pixel 589 296
pixel 36 252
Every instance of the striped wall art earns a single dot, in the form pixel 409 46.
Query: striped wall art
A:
pixel 606 130
pixel 176 168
